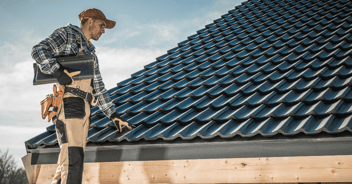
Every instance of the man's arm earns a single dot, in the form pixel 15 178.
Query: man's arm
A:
pixel 104 102
pixel 43 53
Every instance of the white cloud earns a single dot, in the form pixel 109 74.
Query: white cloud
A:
pixel 8 136
pixel 17 92
pixel 164 35
pixel 13 138
pixel 117 65
pixel 19 99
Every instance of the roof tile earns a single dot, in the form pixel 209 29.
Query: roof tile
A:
pixel 265 67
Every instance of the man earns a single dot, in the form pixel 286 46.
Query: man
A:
pixel 73 117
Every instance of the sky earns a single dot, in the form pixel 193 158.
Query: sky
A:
pixel 145 30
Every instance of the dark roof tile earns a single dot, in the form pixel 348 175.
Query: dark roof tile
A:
pixel 265 67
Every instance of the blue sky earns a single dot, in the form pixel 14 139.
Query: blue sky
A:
pixel 145 29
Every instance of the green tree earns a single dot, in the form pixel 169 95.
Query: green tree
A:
pixel 9 173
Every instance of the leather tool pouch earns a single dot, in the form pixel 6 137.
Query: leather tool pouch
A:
pixel 52 103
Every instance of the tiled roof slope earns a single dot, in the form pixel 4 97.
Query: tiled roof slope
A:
pixel 265 67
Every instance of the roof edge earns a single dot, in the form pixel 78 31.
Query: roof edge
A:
pixel 209 150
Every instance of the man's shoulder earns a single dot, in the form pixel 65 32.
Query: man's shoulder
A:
pixel 69 28
pixel 63 31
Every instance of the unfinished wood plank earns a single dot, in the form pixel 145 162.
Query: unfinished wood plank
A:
pixel 26 160
pixel 47 172
pixel 32 171
pixel 235 170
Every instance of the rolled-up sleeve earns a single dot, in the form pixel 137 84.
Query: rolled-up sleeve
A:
pixel 104 102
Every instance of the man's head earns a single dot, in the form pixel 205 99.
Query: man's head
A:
pixel 93 28
pixel 94 22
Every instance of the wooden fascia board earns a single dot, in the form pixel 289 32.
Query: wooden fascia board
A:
pixel 233 170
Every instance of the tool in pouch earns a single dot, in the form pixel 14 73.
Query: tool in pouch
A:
pixel 52 103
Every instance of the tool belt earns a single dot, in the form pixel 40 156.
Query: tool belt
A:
pixel 52 103
pixel 75 91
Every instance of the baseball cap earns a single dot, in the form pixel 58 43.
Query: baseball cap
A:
pixel 96 14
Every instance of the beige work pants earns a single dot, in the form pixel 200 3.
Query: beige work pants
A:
pixel 72 128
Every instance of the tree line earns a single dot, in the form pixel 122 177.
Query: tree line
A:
pixel 9 172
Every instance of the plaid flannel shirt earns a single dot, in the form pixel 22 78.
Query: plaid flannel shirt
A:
pixel 62 42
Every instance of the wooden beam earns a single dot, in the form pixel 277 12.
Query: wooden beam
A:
pixel 236 170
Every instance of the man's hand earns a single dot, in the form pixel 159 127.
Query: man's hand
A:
pixel 72 74
pixel 118 123
pixel 63 77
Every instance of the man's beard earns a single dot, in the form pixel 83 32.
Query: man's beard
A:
pixel 96 36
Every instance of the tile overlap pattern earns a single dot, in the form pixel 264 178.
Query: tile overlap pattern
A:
pixel 265 67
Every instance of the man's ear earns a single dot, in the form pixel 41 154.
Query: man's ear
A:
pixel 90 21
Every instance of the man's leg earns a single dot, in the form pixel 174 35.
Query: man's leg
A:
pixel 62 140
pixel 75 115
